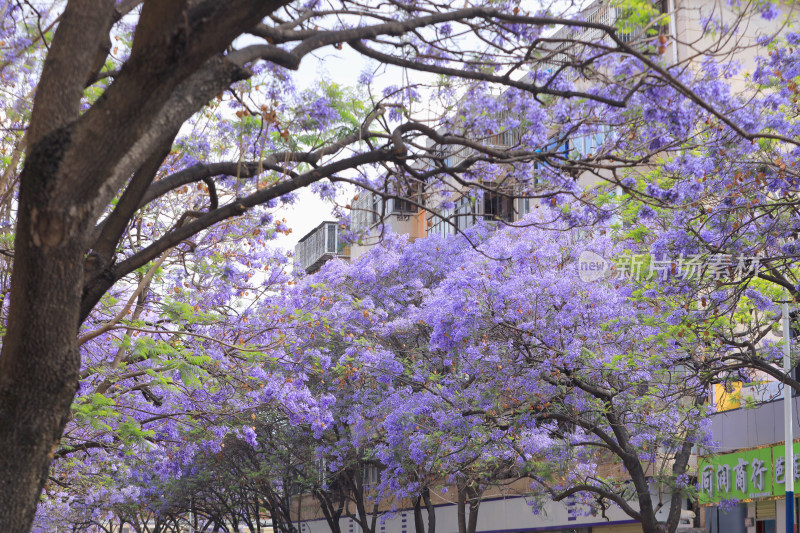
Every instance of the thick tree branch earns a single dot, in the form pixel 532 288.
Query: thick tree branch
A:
pixel 252 168
pixel 312 39
pixel 115 225
pixel 83 26
pixel 171 74
pixel 63 452
pixel 229 168
pixel 94 291
pixel 604 493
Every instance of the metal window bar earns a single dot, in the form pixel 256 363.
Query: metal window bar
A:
pixel 318 246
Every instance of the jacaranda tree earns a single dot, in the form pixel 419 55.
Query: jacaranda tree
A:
pixel 471 365
pixel 144 138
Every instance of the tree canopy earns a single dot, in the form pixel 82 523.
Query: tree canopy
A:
pixel 148 149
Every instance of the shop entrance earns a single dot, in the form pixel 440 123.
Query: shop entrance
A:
pixel 765 526
pixel 766 516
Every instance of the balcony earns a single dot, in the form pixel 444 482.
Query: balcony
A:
pixel 318 246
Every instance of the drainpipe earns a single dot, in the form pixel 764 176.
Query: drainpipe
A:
pixel 787 420
pixel 673 29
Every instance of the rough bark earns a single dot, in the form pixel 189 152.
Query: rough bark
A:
pixel 40 361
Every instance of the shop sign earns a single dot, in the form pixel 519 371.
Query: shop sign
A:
pixel 745 475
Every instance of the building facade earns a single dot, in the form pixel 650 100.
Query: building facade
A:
pixel 742 478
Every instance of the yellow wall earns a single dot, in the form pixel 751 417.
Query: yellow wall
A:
pixel 724 400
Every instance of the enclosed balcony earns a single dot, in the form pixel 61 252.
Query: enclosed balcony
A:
pixel 318 246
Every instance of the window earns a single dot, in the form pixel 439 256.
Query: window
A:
pixel 511 137
pixel 585 145
pixel 401 205
pixel 442 226
pixel 377 209
pixel 523 207
pixel 331 246
pixel 322 471
pixel 497 206
pixel 360 209
pixel 370 475
pixel 464 214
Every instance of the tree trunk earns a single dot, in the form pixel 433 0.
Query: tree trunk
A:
pixel 39 362
pixel 467 497
pixel 75 164
pixel 678 469
pixel 426 497
pixel 419 524
pixel 474 504
pixel 354 479
pixel 332 513
pixel 648 515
